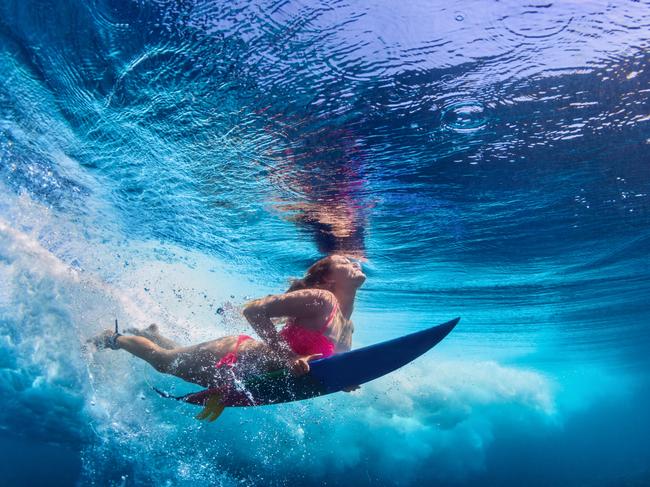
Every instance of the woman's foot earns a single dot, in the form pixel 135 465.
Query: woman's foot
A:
pixel 106 339
pixel 147 332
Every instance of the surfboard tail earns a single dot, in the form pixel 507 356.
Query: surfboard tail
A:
pixel 229 396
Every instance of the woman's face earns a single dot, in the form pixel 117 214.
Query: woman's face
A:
pixel 346 271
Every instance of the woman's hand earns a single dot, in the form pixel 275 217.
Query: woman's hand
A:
pixel 300 365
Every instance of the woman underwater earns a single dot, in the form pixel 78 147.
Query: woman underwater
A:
pixel 317 307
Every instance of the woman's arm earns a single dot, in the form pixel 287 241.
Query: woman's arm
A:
pixel 345 344
pixel 306 303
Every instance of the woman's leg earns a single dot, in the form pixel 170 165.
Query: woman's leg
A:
pixel 152 332
pixel 195 363
pixel 143 348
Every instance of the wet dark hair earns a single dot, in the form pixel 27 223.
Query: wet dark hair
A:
pixel 314 276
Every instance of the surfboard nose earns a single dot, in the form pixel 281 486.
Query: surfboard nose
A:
pixel 368 363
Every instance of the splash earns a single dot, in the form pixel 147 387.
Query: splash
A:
pixel 103 401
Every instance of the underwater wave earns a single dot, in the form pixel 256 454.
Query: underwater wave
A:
pixel 164 162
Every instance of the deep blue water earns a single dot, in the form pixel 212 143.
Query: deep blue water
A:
pixel 164 161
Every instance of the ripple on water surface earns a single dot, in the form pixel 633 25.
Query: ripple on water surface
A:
pixel 464 116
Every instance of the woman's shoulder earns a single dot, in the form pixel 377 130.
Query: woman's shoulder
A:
pixel 302 303
pixel 313 291
pixel 319 296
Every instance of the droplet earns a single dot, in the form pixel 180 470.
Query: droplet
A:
pixel 465 116
pixel 219 311
pixel 459 17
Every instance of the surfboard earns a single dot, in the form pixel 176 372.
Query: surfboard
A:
pixel 326 376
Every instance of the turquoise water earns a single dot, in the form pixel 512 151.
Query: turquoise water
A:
pixel 166 161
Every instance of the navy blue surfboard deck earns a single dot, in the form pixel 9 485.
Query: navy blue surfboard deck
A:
pixel 327 375
pixel 368 363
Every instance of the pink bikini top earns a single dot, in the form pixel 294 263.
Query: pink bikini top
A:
pixel 304 341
